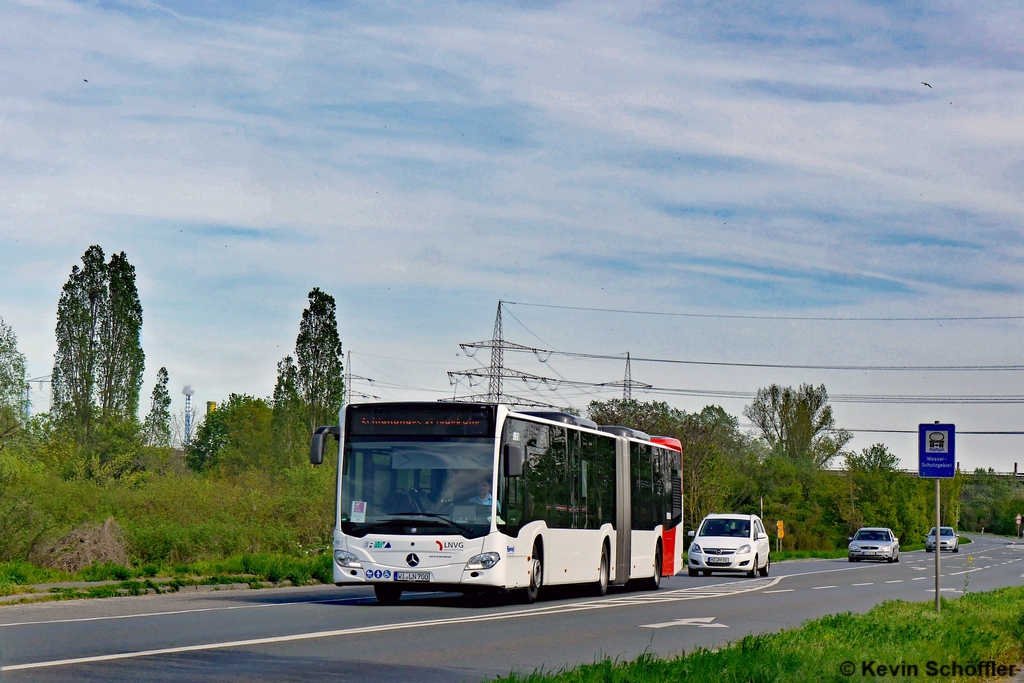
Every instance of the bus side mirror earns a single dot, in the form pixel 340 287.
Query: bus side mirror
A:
pixel 513 456
pixel 317 443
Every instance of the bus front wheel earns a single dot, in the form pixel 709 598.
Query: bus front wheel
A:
pixel 387 594
pixel 654 583
pixel 531 592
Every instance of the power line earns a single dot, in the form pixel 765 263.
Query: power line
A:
pixel 519 348
pixel 770 317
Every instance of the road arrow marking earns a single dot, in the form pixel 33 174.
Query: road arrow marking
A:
pixel 699 622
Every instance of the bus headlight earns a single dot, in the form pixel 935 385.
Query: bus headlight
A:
pixel 483 561
pixel 344 558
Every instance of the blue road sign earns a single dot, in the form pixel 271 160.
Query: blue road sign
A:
pixel 936 451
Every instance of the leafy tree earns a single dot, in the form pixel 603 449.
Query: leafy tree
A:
pixel 157 427
pixel 121 358
pixel 235 437
pixel 798 424
pixel 12 382
pixel 319 357
pixel 289 415
pixel 97 370
pixel 80 313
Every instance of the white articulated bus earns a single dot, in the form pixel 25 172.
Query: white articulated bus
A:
pixel 478 497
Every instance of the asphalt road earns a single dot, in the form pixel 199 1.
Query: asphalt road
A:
pixel 299 634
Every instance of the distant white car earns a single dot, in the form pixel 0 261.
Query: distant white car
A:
pixel 874 543
pixel 730 543
pixel 949 539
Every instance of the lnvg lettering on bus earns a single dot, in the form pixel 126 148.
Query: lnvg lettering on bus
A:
pixel 450 545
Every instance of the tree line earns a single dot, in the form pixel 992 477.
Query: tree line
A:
pixel 93 431
pixel 93 428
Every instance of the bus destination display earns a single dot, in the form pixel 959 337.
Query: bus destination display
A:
pixel 385 420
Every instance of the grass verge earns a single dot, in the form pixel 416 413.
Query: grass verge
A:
pixel 253 569
pixel 980 627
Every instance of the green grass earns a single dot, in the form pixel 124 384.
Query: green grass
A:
pixel 252 569
pixel 976 627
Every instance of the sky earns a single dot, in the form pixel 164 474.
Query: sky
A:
pixel 421 162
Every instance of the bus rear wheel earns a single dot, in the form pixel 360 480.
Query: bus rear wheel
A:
pixel 387 594
pixel 530 593
pixel 601 587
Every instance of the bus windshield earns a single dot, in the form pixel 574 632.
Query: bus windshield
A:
pixel 417 486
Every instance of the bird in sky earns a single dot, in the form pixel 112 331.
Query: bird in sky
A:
pixel 86 80
pixel 923 83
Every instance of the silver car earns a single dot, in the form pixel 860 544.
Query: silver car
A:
pixel 874 543
pixel 949 540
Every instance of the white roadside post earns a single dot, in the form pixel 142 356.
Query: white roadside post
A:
pixel 936 457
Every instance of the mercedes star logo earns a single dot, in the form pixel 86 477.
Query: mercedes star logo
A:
pixel 412 559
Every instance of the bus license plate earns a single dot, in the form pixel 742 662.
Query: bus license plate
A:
pixel 412 576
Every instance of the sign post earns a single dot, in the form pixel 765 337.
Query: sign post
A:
pixel 936 457
pixel 779 536
pixel 1018 524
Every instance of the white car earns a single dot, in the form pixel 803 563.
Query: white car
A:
pixel 730 543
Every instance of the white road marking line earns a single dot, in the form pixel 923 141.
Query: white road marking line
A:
pixel 781 590
pixel 920 578
pixel 820 588
pixel 671 596
pixel 191 611
pixel 870 583
pixel 897 581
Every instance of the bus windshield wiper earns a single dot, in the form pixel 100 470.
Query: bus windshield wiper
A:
pixel 439 517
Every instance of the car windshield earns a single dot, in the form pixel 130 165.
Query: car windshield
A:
pixel 422 485
pixel 871 535
pixel 734 528
pixel 946 531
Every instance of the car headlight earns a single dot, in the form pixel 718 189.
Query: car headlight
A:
pixel 344 558
pixel 743 549
pixel 694 548
pixel 854 546
pixel 483 561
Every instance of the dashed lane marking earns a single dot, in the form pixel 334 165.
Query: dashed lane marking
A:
pixel 870 583
pixel 821 588
pixel 781 590
pixel 895 581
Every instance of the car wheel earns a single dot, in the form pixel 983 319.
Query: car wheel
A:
pixel 601 587
pixel 957 548
pixel 387 594
pixel 691 571
pixel 763 571
pixel 927 550
pixel 707 572
pixel 890 559
pixel 897 556
pixel 850 559
pixel 753 568
pixel 530 593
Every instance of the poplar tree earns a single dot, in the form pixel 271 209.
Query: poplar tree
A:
pixel 97 370
pixel 289 420
pixel 318 354
pixel 157 427
pixel 12 382
pixel 80 312
pixel 122 360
